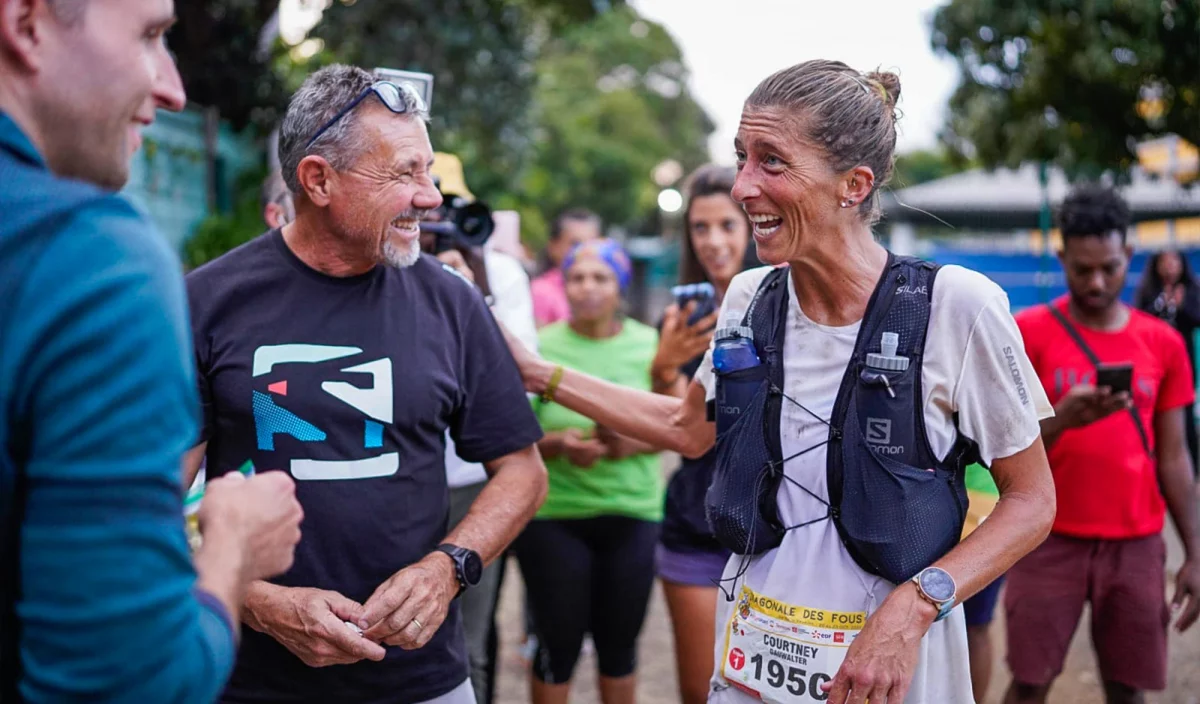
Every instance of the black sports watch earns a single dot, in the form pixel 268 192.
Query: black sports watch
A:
pixel 468 566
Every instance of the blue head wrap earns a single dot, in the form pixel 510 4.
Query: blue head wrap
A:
pixel 608 251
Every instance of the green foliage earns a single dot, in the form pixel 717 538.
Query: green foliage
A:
pixel 610 104
pixel 220 232
pixel 1070 81
pixel 548 103
pixel 919 167
pixel 479 52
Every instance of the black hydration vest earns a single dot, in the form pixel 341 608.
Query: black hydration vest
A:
pixel 897 508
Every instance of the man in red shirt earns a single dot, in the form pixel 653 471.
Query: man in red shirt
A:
pixel 1119 460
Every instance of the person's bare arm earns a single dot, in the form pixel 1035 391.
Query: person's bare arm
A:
pixel 677 386
pixel 662 421
pixel 192 459
pixel 1019 523
pixel 515 491
pixel 678 342
pixel 1178 488
pixel 408 608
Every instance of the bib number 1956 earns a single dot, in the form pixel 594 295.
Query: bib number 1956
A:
pixel 776 675
pixel 784 653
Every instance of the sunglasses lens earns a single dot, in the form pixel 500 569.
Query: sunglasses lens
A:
pixel 416 97
pixel 390 95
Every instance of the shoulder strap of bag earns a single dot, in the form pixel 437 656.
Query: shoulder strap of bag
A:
pixel 1095 361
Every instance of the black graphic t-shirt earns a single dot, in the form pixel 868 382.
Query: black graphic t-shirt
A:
pixel 350 384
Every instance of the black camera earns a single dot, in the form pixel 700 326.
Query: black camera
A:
pixel 459 223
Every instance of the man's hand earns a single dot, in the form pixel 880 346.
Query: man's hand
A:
pixel 311 623
pixel 879 664
pixel 264 515
pixel 409 607
pixel 1084 404
pixel 1187 594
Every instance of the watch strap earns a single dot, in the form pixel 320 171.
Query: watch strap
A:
pixel 455 554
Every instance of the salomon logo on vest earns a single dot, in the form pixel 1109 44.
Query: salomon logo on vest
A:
pixel 879 434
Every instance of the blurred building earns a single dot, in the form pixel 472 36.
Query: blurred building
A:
pixel 990 221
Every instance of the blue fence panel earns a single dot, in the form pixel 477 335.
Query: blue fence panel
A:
pixel 1030 279
pixel 169 174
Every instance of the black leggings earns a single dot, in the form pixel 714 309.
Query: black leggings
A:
pixel 587 575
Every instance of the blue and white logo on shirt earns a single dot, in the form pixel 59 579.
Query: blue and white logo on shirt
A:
pixel 375 402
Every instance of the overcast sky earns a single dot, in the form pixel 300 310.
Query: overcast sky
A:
pixel 731 45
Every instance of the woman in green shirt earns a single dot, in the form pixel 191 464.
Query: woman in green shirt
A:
pixel 588 556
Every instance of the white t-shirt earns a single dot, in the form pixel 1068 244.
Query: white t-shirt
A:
pixel 974 365
pixel 513 306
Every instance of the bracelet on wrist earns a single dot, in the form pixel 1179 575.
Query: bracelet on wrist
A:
pixel 555 379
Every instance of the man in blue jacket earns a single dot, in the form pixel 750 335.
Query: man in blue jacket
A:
pixel 98 598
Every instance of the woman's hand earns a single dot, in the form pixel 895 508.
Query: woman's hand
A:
pixel 679 343
pixel 880 663
pixel 580 451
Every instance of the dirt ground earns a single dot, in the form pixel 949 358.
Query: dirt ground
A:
pixel 1079 683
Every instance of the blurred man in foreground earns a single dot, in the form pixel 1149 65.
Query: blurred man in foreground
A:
pixel 98 598
pixel 334 349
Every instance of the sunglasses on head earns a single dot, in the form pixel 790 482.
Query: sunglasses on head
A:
pixel 392 96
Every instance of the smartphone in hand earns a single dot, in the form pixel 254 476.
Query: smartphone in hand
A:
pixel 703 293
pixel 1118 377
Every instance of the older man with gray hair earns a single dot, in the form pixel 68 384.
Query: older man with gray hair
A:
pixel 333 349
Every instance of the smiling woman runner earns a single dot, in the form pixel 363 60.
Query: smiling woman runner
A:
pixel 841 479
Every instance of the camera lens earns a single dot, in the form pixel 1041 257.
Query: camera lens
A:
pixel 475 224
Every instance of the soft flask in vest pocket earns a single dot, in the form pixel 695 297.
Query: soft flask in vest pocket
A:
pixel 741 500
pixel 900 510
pixel 740 503
pixel 896 506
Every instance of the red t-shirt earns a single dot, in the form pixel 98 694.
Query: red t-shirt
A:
pixel 1107 485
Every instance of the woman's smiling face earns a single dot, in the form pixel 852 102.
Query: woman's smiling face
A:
pixel 784 183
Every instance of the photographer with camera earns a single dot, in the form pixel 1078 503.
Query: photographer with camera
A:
pixel 334 349
pixel 458 234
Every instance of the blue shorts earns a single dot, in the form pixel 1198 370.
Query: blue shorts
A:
pixel 699 568
pixel 980 608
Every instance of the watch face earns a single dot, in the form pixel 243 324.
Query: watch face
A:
pixel 937 584
pixel 472 567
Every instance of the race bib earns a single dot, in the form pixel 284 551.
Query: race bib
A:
pixel 784 653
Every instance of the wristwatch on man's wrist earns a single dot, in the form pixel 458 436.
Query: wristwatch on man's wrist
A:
pixel 936 586
pixel 468 566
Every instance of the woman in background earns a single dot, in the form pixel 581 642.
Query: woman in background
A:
pixel 690 560
pixel 1170 291
pixel 588 555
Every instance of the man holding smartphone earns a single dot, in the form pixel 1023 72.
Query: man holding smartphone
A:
pixel 1120 381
